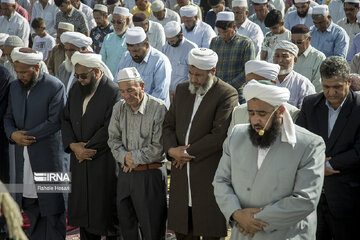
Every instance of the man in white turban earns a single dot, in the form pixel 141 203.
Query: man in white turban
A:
pixel 73 42
pixel 32 122
pixel 85 134
pixel 193 132
pixel 270 175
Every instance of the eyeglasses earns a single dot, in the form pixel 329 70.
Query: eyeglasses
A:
pixel 299 41
pixel 82 75
pixel 349 9
pixel 117 22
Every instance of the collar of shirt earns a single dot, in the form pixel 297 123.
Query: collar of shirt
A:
pixel 289 76
pixel 146 58
pixel 150 27
pixel 142 107
pixel 70 13
pixel 307 51
pixel 331 109
pixel 330 27
pixel 244 24
pixel 81 7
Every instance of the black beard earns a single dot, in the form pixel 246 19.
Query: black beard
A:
pixel 88 88
pixel 302 15
pixel 190 29
pixel 269 136
pixel 177 43
pixel 30 84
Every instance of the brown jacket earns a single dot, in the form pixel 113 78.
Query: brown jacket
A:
pixel 208 131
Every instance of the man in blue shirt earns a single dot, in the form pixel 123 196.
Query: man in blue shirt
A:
pixel 103 27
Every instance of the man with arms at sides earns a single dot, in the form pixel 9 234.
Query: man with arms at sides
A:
pixel 334 115
pixel 270 175
pixel 135 139
pixel 92 201
pixel 194 130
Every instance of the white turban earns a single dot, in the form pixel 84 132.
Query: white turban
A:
pixel 76 38
pixel 267 70
pixel 188 11
pixel 30 58
pixel 288 46
pixel 203 58
pixel 275 96
pixel 91 60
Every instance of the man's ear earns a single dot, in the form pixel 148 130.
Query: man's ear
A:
pixel 281 110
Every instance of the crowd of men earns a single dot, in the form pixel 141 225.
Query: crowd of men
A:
pixel 253 102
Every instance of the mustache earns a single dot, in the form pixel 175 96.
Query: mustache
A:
pixel 258 125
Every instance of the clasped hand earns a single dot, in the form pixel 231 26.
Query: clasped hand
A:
pixel 246 223
pixel 180 156
pixel 81 152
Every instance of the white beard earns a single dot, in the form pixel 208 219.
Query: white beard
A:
pixel 68 64
pixel 287 71
pixel 204 88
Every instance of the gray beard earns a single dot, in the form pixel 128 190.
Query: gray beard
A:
pixel 121 31
pixel 68 64
pixel 204 88
pixel 287 71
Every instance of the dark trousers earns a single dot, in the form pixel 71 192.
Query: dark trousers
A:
pixel 141 202
pixel 189 235
pixel 51 227
pixel 332 228
pixel 86 235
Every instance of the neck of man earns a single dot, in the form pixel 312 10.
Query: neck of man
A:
pixel 105 25
pixel 238 24
pixel 69 10
pixel 134 108
pixel 43 4
pixel 282 77
pixel 351 20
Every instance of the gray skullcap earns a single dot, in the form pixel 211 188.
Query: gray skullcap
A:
pixel 101 7
pixel 128 74
pixel 288 46
pixel 157 6
pixel 66 26
pixel 14 41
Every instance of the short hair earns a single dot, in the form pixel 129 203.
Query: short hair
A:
pixel 274 17
pixel 355 82
pixel 59 2
pixel 214 2
pixel 334 67
pixel 224 24
pixel 38 23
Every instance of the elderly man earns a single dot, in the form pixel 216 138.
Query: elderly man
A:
pixel 177 49
pixel 154 31
pixel 350 23
pixel 135 139
pixel 216 7
pixel 13 23
pixel 261 193
pixel 163 15
pixel 328 37
pixel 32 122
pixel 70 14
pixel 182 3
pixel 194 130
pixel 194 29
pixel 73 41
pixel 246 27
pixel 298 85
pixel 302 15
pixel 234 51
pixel 153 66
pixel 261 8
pixel 333 115
pixel 87 11
pixel 103 26
pixel 46 10
pixel 308 59
pixel 112 55
pixel 260 71
pixel 85 134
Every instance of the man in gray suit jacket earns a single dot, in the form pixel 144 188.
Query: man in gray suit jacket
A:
pixel 269 179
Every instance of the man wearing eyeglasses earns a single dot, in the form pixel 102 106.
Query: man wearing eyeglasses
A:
pixel 309 58
pixel 302 15
pixel 92 201
pixel 114 45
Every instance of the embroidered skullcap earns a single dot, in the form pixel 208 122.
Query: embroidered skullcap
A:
pixel 239 3
pixel 301 1
pixel 76 38
pixel 188 11
pixel 14 41
pixel 128 74
pixel 320 10
pixel 3 37
pixel 101 7
pixel 139 17
pixel 300 29
pixel 288 46
pixel 203 58
pixel 135 35
pixel 121 11
pixel 260 1
pixel 172 29
pixel 157 6
pixel 26 55
pixel 268 71
pixel 66 26
pixel 225 16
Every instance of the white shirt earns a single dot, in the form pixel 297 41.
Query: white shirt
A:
pixel 350 28
pixel 16 25
pixel 336 10
pixel 254 32
pixel 156 35
pixel 201 35
pixel 170 15
pixel 89 15
pixel 44 45
pixel 262 152
pixel 48 14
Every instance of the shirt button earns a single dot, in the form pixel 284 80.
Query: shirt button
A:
pixel 248 189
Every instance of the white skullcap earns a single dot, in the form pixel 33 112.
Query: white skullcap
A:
pixel 188 11
pixel 135 35
pixel 275 96
pixel 288 46
pixel 66 26
pixel 268 71
pixel 101 7
pixel 91 60
pixel 3 37
pixel 128 74
pixel 352 1
pixel 301 1
pixel 358 16
pixel 225 16
pixel 320 10
pixel 14 41
pixel 260 1
pixel 8 1
pixel 157 6
pixel 30 58
pixel 172 29
pixel 121 11
pixel 239 3
pixel 76 38
pixel 1 52
pixel 203 58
